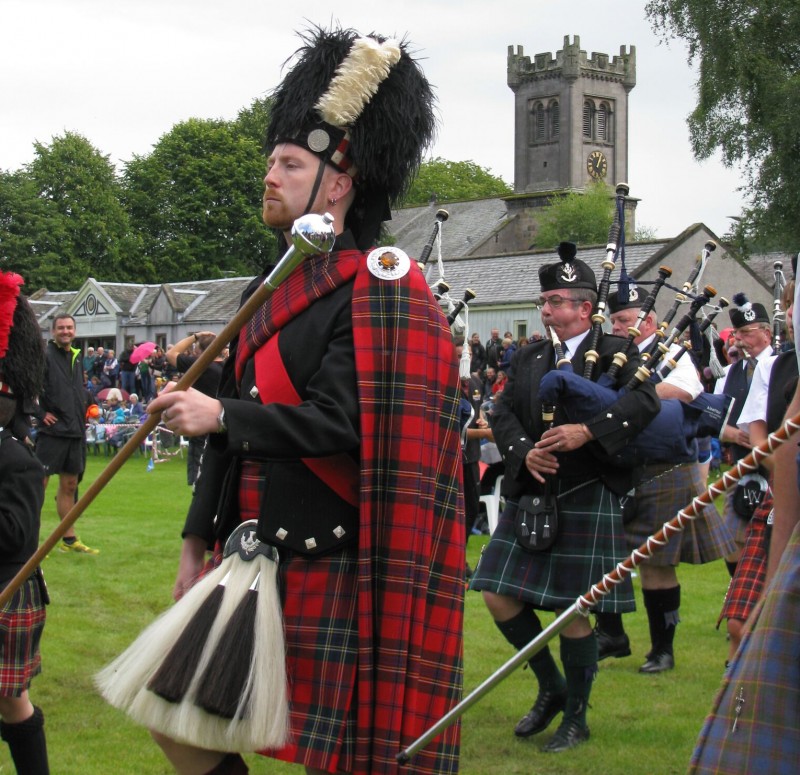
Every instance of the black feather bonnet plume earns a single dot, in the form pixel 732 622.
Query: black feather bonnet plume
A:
pixel 362 104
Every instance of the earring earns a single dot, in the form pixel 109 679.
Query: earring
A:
pixel 332 201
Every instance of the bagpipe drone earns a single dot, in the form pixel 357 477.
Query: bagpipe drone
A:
pixel 670 437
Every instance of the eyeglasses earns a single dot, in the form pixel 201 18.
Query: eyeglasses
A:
pixel 751 330
pixel 555 301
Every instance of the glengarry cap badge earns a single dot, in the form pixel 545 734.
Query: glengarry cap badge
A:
pixel 388 263
pixel 568 273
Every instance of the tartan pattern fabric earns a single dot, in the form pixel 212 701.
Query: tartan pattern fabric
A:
pixel 318 598
pixel 735 524
pixel 744 590
pixel 763 683
pixel 411 541
pixel 314 278
pixel 21 625
pixel 590 543
pixel 664 491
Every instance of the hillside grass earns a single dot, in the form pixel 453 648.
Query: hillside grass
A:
pixel 639 724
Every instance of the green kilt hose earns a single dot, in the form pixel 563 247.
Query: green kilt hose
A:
pixel 754 725
pixel 664 491
pixel 21 625
pixel 590 543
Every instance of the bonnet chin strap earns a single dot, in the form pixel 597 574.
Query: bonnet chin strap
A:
pixel 315 187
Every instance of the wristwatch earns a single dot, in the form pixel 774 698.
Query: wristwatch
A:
pixel 221 426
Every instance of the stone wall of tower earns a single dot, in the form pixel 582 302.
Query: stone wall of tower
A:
pixel 556 99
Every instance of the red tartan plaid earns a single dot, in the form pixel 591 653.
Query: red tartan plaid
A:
pixel 411 543
pixel 21 626
pixel 410 554
pixel 746 586
pixel 316 277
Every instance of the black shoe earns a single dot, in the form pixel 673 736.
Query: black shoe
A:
pixel 568 735
pixel 658 663
pixel 611 645
pixel 547 706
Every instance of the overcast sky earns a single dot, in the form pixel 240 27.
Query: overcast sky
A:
pixel 123 72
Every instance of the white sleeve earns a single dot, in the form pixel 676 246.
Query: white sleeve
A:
pixel 755 405
pixel 684 375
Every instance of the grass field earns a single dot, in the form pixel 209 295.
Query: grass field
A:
pixel 639 724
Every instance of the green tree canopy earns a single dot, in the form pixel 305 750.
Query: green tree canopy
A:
pixel 62 218
pixel 580 217
pixel 196 202
pixel 450 181
pixel 748 100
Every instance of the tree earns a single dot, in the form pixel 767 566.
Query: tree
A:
pixel 450 181
pixel 62 218
pixel 748 100
pixel 196 202
pixel 252 122
pixel 580 217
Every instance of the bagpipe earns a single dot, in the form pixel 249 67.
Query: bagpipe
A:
pixel 456 311
pixel 778 314
pixel 670 437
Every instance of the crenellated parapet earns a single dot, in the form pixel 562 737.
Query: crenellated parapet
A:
pixel 570 63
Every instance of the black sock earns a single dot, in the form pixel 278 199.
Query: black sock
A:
pixel 610 624
pixel 27 744
pixel 579 656
pixel 519 631
pixel 662 615
pixel 69 539
pixel 232 764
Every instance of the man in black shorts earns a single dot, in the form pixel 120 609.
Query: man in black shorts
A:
pixel 61 440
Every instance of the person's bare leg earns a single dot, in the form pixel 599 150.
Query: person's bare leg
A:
pixel 65 498
pixel 186 759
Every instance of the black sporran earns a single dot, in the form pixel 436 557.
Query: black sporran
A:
pixel 536 522
pixel 749 493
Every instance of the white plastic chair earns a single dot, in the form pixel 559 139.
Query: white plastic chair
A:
pixel 492 501
pixel 183 443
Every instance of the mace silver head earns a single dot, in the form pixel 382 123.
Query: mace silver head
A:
pixel 313 234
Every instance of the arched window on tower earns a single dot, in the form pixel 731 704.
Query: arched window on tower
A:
pixel 540 122
pixel 602 122
pixel 555 120
pixel 588 119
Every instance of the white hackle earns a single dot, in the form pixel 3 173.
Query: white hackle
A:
pixel 357 80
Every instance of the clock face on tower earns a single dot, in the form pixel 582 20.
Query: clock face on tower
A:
pixel 596 165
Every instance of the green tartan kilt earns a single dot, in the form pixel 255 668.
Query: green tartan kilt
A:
pixel 590 543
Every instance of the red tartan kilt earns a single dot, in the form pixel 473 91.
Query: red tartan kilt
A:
pixel 747 583
pixel 318 599
pixel 21 626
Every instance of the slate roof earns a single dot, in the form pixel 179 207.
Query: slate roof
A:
pixel 763 264
pixel 469 225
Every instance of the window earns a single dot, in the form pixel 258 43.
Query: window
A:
pixel 544 122
pixel 588 119
pixel 603 118
pixel 555 118
pixel 597 121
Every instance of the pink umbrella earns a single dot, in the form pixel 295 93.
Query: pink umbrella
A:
pixel 142 351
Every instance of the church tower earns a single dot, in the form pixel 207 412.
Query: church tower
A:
pixel 571 117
